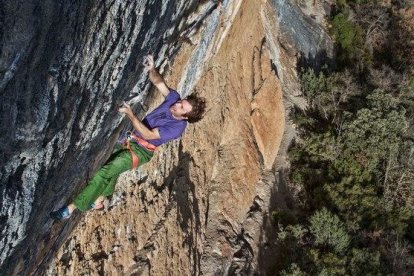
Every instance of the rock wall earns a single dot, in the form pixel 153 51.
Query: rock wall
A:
pixel 64 67
pixel 202 205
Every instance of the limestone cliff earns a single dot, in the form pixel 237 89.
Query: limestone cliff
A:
pixel 201 206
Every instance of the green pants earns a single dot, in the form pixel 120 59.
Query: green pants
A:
pixel 103 183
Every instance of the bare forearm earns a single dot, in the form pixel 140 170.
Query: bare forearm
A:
pixel 145 132
pixel 155 77
pixel 159 82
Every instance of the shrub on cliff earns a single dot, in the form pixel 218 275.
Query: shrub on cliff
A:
pixel 329 230
pixel 348 37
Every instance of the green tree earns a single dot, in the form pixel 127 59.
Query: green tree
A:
pixel 328 229
pixel 375 132
pixel 364 262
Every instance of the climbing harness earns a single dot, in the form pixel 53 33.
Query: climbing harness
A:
pixel 142 142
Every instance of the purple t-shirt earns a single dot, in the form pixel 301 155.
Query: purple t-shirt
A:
pixel 169 128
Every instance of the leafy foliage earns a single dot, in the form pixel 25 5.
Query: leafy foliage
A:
pixel 346 33
pixel 328 229
pixel 348 37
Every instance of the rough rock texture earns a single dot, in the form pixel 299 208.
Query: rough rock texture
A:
pixel 64 67
pixel 202 205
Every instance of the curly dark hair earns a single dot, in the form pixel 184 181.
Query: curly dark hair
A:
pixel 198 108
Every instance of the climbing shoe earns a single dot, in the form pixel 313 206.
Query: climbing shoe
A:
pixel 62 213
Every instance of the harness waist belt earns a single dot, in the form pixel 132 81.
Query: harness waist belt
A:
pixel 143 143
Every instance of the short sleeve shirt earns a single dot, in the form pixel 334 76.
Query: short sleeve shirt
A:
pixel 169 128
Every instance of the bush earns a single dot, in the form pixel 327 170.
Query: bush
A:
pixel 364 262
pixel 376 131
pixel 348 37
pixel 328 264
pixel 345 32
pixel 402 40
pixel 293 270
pixel 328 95
pixel 328 229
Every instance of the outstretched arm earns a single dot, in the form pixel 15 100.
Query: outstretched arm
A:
pixel 146 133
pixel 154 76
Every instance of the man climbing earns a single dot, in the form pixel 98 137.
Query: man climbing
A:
pixel 165 123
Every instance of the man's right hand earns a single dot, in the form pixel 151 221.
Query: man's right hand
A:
pixel 148 63
pixel 126 109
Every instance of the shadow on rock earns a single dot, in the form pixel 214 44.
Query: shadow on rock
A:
pixel 183 191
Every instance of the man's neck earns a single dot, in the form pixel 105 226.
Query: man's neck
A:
pixel 178 117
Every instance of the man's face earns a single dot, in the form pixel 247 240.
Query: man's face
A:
pixel 180 108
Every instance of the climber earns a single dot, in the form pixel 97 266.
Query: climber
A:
pixel 163 124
